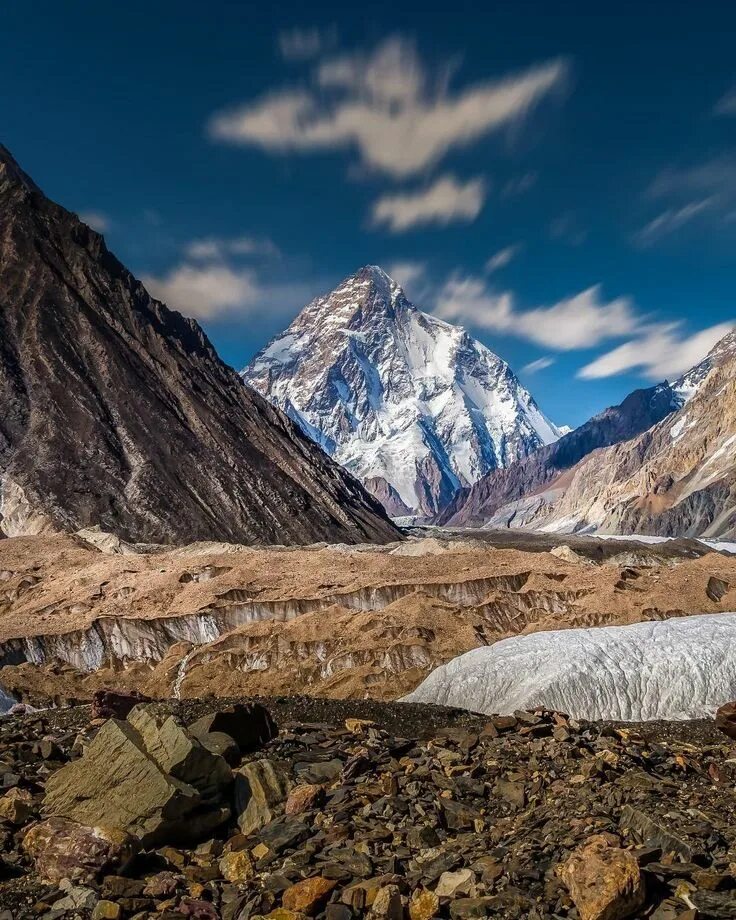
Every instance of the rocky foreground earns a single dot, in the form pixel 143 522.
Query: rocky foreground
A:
pixel 206 809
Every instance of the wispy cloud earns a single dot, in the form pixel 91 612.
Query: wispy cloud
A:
pixel 212 291
pixel 445 201
pixel 567 229
pixel 663 350
pixel 726 105
pixel 670 220
pixel 221 247
pixel 96 220
pixel 519 184
pixel 389 106
pixel 534 367
pixel 306 44
pixel 408 274
pixel 581 321
pixel 502 258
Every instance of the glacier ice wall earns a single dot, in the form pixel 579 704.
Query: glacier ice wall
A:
pixel 680 668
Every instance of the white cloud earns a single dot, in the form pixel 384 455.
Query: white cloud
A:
pixel 502 258
pixel 443 202
pixel 96 220
pixel 567 229
pixel 210 248
pixel 581 321
pixel 670 221
pixel 306 44
pixel 533 367
pixel 660 352
pixel 407 274
pixel 211 291
pixel 387 105
pixel 204 292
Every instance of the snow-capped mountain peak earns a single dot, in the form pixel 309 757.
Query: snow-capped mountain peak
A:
pixel 411 405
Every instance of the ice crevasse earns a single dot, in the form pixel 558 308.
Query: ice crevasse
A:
pixel 681 668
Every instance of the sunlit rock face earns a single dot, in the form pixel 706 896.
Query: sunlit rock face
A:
pixel 682 668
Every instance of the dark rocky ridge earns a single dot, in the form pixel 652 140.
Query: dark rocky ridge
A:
pixel 639 411
pixel 116 411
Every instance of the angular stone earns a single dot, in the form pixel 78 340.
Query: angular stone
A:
pixel 179 754
pixel 455 884
pixel 106 910
pixel 653 833
pixel 64 849
pixel 424 904
pixel 726 719
pixel 112 704
pixel 249 724
pixel 236 867
pixel 471 908
pixel 358 726
pixel 304 797
pixel 388 903
pixel 117 783
pixel 604 881
pixel 308 896
pixel 16 806
pixel 221 744
pixel 260 787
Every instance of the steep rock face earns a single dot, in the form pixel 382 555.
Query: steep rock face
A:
pixel 677 478
pixel 118 412
pixel 412 406
pixel 508 497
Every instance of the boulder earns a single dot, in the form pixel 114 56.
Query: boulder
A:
pixel 63 849
pixel 260 787
pixel 111 704
pixel 604 880
pixel 118 783
pixel 726 719
pixel 179 754
pixel 249 724
pixel 16 806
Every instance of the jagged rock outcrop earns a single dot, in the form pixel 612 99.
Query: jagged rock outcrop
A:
pixel 522 487
pixel 116 411
pixel 411 405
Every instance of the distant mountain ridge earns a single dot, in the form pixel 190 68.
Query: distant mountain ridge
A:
pixel 508 496
pixel 675 476
pixel 117 412
pixel 412 406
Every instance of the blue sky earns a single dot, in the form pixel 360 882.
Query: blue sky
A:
pixel 559 178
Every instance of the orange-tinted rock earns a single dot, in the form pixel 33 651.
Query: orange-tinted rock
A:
pixel 309 896
pixel 604 880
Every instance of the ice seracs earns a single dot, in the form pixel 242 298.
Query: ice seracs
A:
pixel 681 668
pixel 414 407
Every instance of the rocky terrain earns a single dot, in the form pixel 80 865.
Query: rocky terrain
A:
pixel 675 478
pixel 117 412
pixel 331 621
pixel 340 810
pixel 411 405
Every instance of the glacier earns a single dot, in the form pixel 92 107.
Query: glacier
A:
pixel 680 668
pixel 412 406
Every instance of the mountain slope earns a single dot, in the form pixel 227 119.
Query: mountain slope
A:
pixel 677 478
pixel 118 412
pixel 412 406
pixel 508 497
